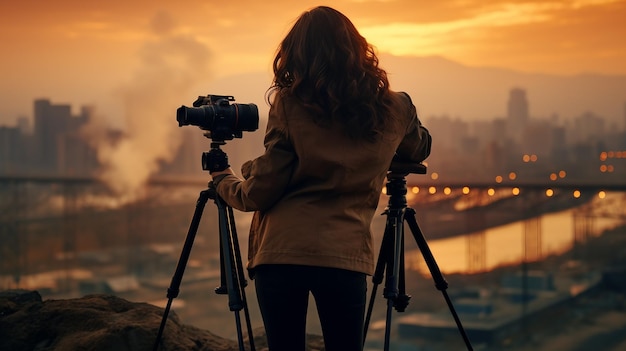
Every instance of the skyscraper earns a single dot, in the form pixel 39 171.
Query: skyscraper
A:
pixel 517 113
pixel 51 122
pixel 58 145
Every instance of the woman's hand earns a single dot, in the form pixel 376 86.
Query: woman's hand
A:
pixel 227 171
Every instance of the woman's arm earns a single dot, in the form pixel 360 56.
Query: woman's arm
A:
pixel 267 176
pixel 415 145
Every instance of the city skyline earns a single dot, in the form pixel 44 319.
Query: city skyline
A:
pixel 63 143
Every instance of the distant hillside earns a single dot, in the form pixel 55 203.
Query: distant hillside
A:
pixel 440 86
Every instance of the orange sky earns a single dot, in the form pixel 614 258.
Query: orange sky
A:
pixel 80 52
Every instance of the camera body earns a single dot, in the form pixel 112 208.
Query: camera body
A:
pixel 217 115
pixel 222 121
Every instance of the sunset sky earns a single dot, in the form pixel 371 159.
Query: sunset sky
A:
pixel 83 52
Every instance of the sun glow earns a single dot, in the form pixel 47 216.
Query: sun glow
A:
pixel 402 38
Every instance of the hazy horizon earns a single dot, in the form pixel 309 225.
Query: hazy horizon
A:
pixel 435 84
pixel 100 54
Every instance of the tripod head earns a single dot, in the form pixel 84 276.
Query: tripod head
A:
pixel 396 181
pixel 216 159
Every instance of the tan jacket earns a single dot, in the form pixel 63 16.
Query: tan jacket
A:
pixel 315 190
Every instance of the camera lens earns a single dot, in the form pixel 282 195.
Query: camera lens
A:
pixel 214 113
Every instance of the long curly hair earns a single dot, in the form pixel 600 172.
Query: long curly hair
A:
pixel 327 65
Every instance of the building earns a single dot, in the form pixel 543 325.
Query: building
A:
pixel 58 147
pixel 517 113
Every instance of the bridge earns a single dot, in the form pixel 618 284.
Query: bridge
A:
pixel 30 204
pixel 480 205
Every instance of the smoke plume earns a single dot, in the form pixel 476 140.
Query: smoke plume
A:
pixel 171 65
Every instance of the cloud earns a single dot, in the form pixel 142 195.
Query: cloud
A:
pixel 402 38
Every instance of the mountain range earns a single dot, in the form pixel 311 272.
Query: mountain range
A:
pixel 440 87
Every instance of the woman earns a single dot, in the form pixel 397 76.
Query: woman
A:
pixel 334 127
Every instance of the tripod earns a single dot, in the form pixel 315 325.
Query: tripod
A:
pixel 232 278
pixel 391 256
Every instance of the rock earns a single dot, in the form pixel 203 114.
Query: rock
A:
pixel 95 322
pixel 105 322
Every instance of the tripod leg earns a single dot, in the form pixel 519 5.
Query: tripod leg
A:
pixel 402 301
pixel 232 277
pixel 393 270
pixel 391 291
pixel 240 273
pixel 232 283
pixel 440 282
pixel 383 257
pixel 234 302
pixel 223 288
pixel 174 288
pixel 390 259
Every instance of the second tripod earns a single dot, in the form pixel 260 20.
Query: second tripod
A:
pixel 390 264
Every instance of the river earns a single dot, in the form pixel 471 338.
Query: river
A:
pixel 505 244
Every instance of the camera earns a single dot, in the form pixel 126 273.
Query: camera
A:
pixel 217 115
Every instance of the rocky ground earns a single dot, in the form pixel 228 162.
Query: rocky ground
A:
pixel 103 323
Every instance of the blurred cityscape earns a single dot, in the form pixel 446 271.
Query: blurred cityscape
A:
pixel 587 146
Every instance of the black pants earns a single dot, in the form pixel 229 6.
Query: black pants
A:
pixel 283 295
